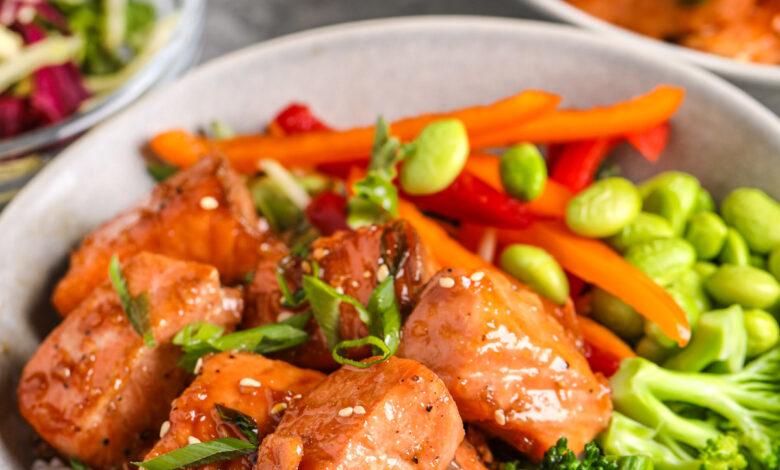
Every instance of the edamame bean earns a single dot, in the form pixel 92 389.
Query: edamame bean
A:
pixel 756 216
pixel 773 263
pixel 616 315
pixel 692 313
pixel 604 208
pixel 523 172
pixel 743 285
pixel 704 201
pixel 735 249
pixel 763 332
pixel 440 152
pixel 645 227
pixel 757 261
pixel 652 351
pixel 536 268
pixel 663 259
pixel 706 232
pixel 665 203
pixel 705 269
pixel 685 186
pixel 691 284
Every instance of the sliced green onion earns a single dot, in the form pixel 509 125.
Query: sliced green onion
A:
pixel 354 343
pixel 52 50
pixel 291 300
pixel 202 453
pixel 324 301
pixel 385 316
pixel 245 424
pixel 161 171
pixel 76 464
pixel 221 131
pixel 287 182
pixel 136 308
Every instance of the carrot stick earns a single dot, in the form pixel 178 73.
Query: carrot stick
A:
pixel 313 148
pixel 634 115
pixel 595 262
pixel 553 201
pixel 603 338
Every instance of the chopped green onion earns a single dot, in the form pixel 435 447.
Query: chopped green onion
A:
pixel 353 343
pixel 76 464
pixel 245 424
pixel 136 308
pixel 291 300
pixel 220 130
pixel 324 301
pixel 195 339
pixel 161 171
pixel 286 182
pixel 385 316
pixel 249 277
pixel 202 453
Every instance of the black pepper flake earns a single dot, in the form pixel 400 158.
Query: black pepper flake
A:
pixel 414 459
pixel 415 378
pixel 429 408
pixel 106 441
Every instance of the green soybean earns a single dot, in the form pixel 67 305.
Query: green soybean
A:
pixel 706 232
pixel 685 186
pixel 523 172
pixel 744 285
pixel 665 203
pixel 763 332
pixel 773 263
pixel 691 283
pixel 705 269
pixel 438 156
pixel 663 259
pixel 756 216
pixel 645 227
pixel 616 315
pixel 735 250
pixel 704 201
pixel 652 351
pixel 536 268
pixel 604 208
pixel 692 313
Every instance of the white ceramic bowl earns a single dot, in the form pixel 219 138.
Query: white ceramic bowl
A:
pixel 349 74
pixel 761 81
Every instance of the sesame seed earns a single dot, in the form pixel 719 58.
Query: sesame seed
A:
pixel 319 253
pixel 366 274
pixel 344 412
pixel 382 273
pixel 500 417
pixel 193 440
pixel 198 366
pixel 297 397
pixel 209 203
pixel 278 408
pixel 446 282
pixel 359 410
pixel 166 425
pixel 477 276
pixel 284 315
pixel 306 267
pixel 249 382
pixel 340 290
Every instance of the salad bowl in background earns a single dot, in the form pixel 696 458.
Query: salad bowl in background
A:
pixel 175 49
pixel 761 81
pixel 349 74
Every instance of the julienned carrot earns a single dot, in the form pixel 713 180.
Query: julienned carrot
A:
pixel 638 114
pixel 595 262
pixel 603 338
pixel 552 203
pixel 312 148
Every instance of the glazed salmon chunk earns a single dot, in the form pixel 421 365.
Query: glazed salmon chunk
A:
pixel 204 213
pixel 351 261
pixel 510 366
pixel 392 415
pixel 258 387
pixel 93 389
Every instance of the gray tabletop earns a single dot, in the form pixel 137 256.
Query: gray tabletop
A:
pixel 232 24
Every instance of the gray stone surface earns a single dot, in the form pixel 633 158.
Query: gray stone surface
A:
pixel 232 24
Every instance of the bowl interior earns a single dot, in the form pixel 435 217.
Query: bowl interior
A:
pixel 349 74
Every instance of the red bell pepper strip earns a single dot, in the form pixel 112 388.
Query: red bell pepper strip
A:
pixel 470 199
pixel 327 212
pixel 603 349
pixel 296 118
pixel 577 162
pixel 651 142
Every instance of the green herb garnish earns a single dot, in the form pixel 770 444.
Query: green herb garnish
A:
pixel 202 453
pixel 161 171
pixel 76 464
pixel 245 424
pixel 353 343
pixel 136 308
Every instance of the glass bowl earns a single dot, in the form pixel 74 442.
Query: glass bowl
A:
pixel 21 156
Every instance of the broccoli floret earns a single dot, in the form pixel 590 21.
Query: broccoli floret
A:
pixel 559 457
pixel 710 421
pixel 719 344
